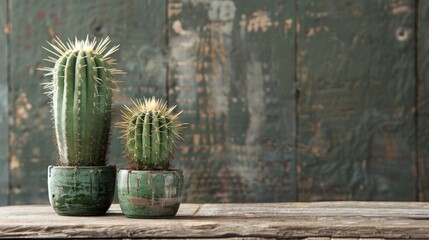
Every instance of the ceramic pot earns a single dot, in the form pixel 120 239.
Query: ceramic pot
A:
pixel 81 191
pixel 149 194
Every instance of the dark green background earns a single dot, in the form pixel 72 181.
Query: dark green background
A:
pixel 286 100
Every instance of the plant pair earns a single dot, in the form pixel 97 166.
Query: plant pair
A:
pixel 81 100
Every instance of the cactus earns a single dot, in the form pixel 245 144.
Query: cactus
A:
pixel 81 99
pixel 150 132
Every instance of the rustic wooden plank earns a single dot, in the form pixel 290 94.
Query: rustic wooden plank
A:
pixel 319 209
pixel 341 238
pixel 136 25
pixel 357 128
pixel 363 220
pixel 423 99
pixel 4 104
pixel 231 69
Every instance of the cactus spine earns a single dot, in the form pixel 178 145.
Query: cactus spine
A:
pixel 150 132
pixel 81 99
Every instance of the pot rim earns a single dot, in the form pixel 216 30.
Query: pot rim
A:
pixel 143 171
pixel 84 167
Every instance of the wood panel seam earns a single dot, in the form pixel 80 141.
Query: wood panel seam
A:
pixel 418 166
pixel 167 52
pixel 297 94
pixel 10 98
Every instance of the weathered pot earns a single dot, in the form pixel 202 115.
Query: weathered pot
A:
pixel 149 194
pixel 81 191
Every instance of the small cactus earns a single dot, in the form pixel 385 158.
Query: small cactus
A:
pixel 81 99
pixel 150 132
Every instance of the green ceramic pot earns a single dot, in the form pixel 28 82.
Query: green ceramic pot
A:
pixel 149 194
pixel 81 191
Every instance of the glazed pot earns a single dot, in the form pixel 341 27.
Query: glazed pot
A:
pixel 149 194
pixel 81 191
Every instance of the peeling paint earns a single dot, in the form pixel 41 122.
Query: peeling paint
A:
pixel 259 21
pixel 3 104
pixel 223 11
pixel 14 163
pixel 7 28
pixel 177 27
pixel 23 106
pixel 287 24
pixel 310 32
pixel 255 98
pixel 401 10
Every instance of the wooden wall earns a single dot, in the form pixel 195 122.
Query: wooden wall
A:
pixel 286 100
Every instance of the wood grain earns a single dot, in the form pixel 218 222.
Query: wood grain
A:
pixel 136 25
pixel 231 69
pixel 357 128
pixel 326 220
pixel 4 104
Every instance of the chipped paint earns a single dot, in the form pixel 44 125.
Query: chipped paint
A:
pixel 23 106
pixel 3 104
pixel 177 27
pixel 401 10
pixel 14 163
pixel 288 24
pixel 223 11
pixel 259 21
pixel 255 100
pixel 7 28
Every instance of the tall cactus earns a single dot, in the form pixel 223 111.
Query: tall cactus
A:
pixel 150 132
pixel 81 99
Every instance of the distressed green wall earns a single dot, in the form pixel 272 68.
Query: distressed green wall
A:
pixel 287 100
pixel 233 76
pixel 357 126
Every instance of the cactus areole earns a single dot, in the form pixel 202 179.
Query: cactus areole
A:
pixel 81 99
pixel 150 132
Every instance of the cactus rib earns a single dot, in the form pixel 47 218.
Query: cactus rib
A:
pixel 149 133
pixel 81 97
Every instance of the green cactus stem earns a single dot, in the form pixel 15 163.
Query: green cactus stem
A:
pixel 150 132
pixel 81 98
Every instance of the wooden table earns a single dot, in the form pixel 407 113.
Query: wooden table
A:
pixel 311 221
